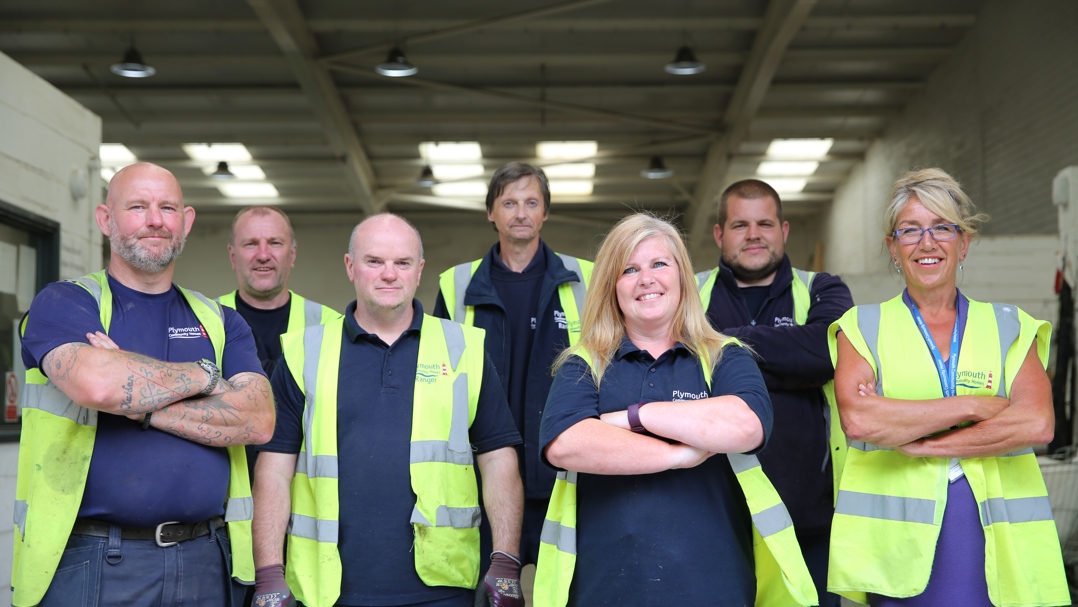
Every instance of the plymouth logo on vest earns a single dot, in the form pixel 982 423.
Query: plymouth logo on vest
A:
pixel 427 373
pixel 975 380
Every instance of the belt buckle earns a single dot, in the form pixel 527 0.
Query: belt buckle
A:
pixel 157 535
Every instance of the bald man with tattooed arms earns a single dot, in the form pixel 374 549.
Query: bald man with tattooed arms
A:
pixel 133 485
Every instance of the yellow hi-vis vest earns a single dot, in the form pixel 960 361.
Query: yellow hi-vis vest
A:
pixel 782 578
pixel 455 281
pixel 800 287
pixel 449 373
pixel 54 459
pixel 890 506
pixel 302 312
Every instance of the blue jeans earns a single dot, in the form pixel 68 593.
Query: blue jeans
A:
pixel 102 571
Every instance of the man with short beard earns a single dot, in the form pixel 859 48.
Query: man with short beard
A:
pixel 139 397
pixel 783 313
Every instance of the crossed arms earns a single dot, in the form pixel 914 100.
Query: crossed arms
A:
pixel 103 377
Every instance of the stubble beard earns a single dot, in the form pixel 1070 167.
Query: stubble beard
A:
pixel 745 274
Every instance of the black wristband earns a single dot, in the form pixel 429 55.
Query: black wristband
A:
pixel 146 420
pixel 633 413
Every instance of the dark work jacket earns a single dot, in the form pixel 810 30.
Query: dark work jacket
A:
pixel 795 363
pixel 548 343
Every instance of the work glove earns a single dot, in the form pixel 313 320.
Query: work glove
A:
pixel 270 588
pixel 500 587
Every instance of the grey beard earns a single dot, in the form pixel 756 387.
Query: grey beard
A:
pixel 138 257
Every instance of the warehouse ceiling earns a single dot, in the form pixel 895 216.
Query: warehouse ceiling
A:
pixel 295 83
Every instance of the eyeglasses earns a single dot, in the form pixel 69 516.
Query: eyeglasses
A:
pixel 940 231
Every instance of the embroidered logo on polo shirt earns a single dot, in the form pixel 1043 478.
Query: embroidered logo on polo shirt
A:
pixel 427 373
pixel 679 395
pixel 975 380
pixel 783 321
pixel 559 319
pixel 187 333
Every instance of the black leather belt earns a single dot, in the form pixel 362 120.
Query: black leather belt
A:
pixel 165 534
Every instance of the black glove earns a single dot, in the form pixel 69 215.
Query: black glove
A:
pixel 500 587
pixel 270 588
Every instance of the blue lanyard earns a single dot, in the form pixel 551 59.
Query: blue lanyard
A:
pixel 948 371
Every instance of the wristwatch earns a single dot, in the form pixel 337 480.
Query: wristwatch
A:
pixel 214 373
pixel 634 418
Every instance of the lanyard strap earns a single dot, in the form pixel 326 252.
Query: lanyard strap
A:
pixel 948 371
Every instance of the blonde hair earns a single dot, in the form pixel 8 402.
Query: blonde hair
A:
pixel 939 193
pixel 603 322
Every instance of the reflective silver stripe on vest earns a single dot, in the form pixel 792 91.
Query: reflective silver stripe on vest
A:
pixel 867 447
pixel 20 515
pixel 426 451
pixel 1015 510
pixel 1009 328
pixel 458 427
pixel 312 313
pixel 701 279
pixel 454 341
pixel 741 462
pixel 886 507
pixel 91 286
pixel 209 304
pixel 559 536
pixel 50 399
pixel 462 277
pixel 806 278
pixel 772 520
pixel 317 466
pixel 579 288
pixel 312 349
pixel 239 509
pixel 868 321
pixel 313 529
pixel 444 516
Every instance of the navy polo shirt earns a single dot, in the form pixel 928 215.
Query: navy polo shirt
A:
pixel 679 537
pixel 374 422
pixel 143 478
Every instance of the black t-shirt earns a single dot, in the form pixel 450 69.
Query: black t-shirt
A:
pixel 267 326
pixel 519 292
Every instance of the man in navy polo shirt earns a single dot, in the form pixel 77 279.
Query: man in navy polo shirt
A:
pixel 123 454
pixel 752 295
pixel 380 413
pixel 529 300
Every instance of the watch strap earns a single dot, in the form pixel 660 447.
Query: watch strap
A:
pixel 634 418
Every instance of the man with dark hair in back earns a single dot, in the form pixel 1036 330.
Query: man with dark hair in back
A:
pixel 783 313
pixel 529 300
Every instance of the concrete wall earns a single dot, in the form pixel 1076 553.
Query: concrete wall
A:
pixel 47 142
pixel 448 238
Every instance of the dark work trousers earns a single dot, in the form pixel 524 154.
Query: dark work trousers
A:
pixel 102 571
pixel 814 547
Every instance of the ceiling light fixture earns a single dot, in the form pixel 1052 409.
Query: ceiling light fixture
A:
pixel 396 65
pixel 685 63
pixel 222 171
pixel 132 65
pixel 656 169
pixel 426 178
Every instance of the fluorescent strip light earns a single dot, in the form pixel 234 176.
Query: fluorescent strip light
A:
pixel 573 170
pixel 107 173
pixel 450 172
pixel 787 186
pixel 461 189
pixel 216 152
pixel 570 188
pixel 248 190
pixel 787 167
pixel 799 148
pixel 241 171
pixel 434 151
pixel 566 150
pixel 115 154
